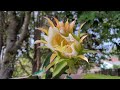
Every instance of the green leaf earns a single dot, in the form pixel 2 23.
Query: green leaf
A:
pixel 59 67
pixel 77 38
pixel 53 63
pixel 71 64
pixel 60 60
pixel 47 60
pixel 39 73
pixel 80 28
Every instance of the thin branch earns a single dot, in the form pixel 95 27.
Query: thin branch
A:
pixel 24 28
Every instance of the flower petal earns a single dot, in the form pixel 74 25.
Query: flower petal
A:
pixel 52 57
pixel 57 22
pixel 43 30
pixel 70 51
pixel 67 26
pixel 54 38
pixel 45 37
pixel 72 24
pixel 82 25
pixel 83 57
pixel 40 41
pixel 80 28
pixel 50 22
pixel 81 40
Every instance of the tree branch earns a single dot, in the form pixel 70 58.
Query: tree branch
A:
pixel 1 30
pixel 12 31
pixel 24 32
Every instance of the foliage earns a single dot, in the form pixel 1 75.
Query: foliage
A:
pixel 116 66
pixel 103 27
pixel 22 68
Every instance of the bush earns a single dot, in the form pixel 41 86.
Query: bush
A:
pixel 116 66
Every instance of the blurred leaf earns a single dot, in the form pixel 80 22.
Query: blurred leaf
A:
pixel 77 38
pixel 39 73
pixel 59 67
pixel 80 28
pixel 71 64
pixel 47 60
pixel 53 63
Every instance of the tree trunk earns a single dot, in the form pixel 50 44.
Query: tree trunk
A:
pixel 12 44
pixel 37 36
pixel 1 30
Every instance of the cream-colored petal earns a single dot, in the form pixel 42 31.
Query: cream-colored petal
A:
pixel 67 26
pixel 62 31
pixel 40 41
pixel 69 38
pixel 49 46
pixel 45 37
pixel 83 57
pixel 53 57
pixel 43 30
pixel 72 24
pixel 50 22
pixel 74 52
pixel 72 38
pixel 81 40
pixel 52 33
pixel 57 22
pixel 71 54
pixel 61 24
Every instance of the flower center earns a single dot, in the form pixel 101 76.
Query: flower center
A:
pixel 57 40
